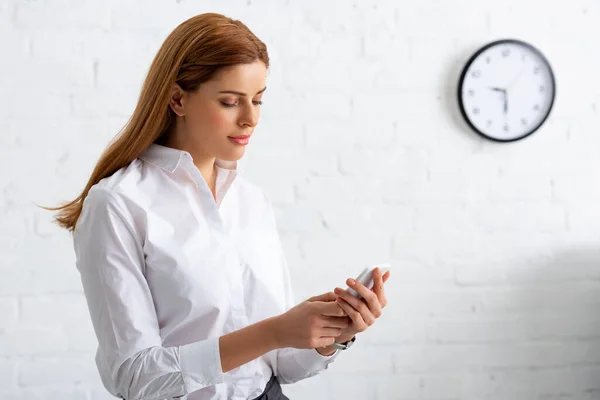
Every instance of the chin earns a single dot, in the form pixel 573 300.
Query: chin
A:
pixel 234 155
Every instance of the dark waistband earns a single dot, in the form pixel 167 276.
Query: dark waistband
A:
pixel 272 391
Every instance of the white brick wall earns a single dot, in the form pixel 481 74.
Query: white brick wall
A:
pixel 496 248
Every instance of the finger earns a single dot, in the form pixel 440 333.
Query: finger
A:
pixel 329 296
pixel 368 296
pixel 325 341
pixel 358 287
pixel 359 305
pixel 386 276
pixel 378 287
pixel 330 332
pixel 377 282
pixel 336 322
pixel 354 315
pixel 331 309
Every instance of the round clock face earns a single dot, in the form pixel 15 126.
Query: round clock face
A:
pixel 506 90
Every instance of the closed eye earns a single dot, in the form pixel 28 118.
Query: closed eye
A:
pixel 231 105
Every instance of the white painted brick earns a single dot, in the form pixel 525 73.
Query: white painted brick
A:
pixel 482 332
pixel 126 73
pixel 101 45
pixel 393 327
pixel 385 46
pixel 313 388
pixel 554 273
pixel 381 218
pixel 18 45
pixel 65 13
pixel 509 356
pixel 403 387
pixel 81 337
pixel 449 386
pixel 274 133
pixel 586 378
pixel 582 325
pixel 326 249
pixel 295 219
pixel 554 382
pixel 548 301
pixel 438 304
pixel 44 279
pixel 32 342
pixel 364 361
pixel 337 135
pixel 499 384
pixel 133 16
pixel 67 371
pixel 103 103
pixel 45 393
pixel 479 276
pixel 8 310
pixel 100 393
pixel 6 12
pixel 361 387
pixel 49 104
pixel 55 310
pixel 303 45
pixel 8 374
pixel 55 78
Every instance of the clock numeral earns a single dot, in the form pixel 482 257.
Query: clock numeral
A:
pixel 523 57
pixel 488 60
pixel 536 107
pixel 489 123
pixel 476 111
pixel 542 89
pixel 506 129
pixel 505 53
pixel 536 70
pixel 523 121
pixel 476 73
pixel 471 92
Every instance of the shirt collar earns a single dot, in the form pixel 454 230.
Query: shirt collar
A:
pixel 169 158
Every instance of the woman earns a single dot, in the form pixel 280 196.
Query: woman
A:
pixel 180 260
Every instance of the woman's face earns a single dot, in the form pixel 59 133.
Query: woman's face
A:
pixel 224 107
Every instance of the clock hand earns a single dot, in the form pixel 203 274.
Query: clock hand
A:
pixel 498 89
pixel 505 103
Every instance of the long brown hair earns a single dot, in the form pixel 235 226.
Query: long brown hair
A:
pixel 191 55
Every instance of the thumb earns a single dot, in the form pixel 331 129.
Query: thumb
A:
pixel 329 296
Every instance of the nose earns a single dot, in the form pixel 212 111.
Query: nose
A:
pixel 249 117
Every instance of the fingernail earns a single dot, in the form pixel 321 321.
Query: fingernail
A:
pixel 337 290
pixel 351 282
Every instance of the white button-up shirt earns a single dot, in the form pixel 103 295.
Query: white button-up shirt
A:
pixel 167 269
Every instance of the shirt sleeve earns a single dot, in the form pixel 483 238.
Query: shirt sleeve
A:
pixel 294 364
pixel 131 360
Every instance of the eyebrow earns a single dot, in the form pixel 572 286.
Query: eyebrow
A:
pixel 240 93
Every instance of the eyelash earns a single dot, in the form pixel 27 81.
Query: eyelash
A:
pixel 256 103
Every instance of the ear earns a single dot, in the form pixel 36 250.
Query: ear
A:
pixel 177 100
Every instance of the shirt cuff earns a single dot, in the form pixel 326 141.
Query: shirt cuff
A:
pixel 311 359
pixel 200 364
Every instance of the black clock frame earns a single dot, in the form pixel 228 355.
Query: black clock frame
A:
pixel 464 73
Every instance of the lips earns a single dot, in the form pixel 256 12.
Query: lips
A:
pixel 240 137
pixel 241 140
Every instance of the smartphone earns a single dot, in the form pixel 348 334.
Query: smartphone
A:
pixel 366 277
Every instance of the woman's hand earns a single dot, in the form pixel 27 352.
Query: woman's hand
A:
pixel 314 323
pixel 362 312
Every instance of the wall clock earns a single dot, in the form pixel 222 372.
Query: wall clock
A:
pixel 506 90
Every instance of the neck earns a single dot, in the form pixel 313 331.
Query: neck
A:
pixel 204 163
